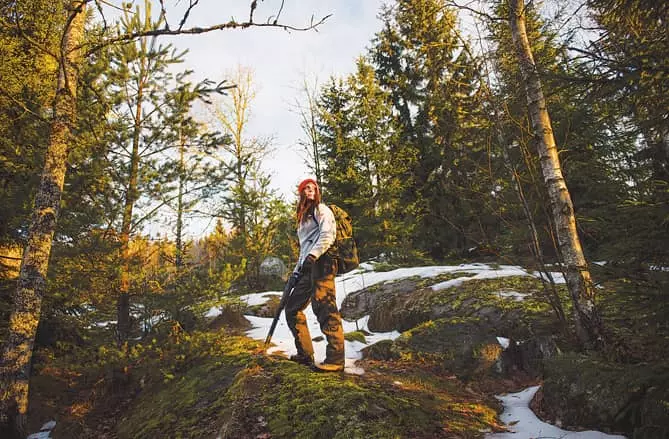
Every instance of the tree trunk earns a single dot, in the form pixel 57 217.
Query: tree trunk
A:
pixel 589 328
pixel 550 290
pixel 123 304
pixel 27 298
pixel 178 260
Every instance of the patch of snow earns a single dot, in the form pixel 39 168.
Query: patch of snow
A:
pixel 44 432
pixel 482 272
pixel 214 311
pixel 259 298
pixel 450 283
pixel 48 426
pixel 658 268
pixel 558 278
pixel 526 425
pixel 518 297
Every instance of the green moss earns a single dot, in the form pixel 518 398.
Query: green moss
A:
pixel 485 292
pixel 355 336
pixel 180 407
pixel 443 277
pixel 307 405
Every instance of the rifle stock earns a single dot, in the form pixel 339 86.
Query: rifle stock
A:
pixel 287 291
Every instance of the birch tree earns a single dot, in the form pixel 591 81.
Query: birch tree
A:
pixel 248 193
pixel 589 328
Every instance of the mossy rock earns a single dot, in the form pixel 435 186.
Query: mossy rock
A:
pixel 469 349
pixel 273 397
pixel 654 414
pixel 528 356
pixel 356 336
pixel 363 302
pixel 404 304
pixel 280 399
pixel 231 318
pixel 188 404
pixel 595 393
pixel 382 350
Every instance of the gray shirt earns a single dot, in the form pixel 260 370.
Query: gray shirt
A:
pixel 316 237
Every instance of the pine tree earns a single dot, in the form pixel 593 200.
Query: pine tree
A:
pixel 358 174
pixel 198 179
pixel 625 73
pixel 139 77
pixel 424 64
pixel 26 95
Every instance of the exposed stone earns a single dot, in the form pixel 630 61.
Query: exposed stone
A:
pixel 591 393
pixel 468 349
pixel 528 356
pixel 272 266
pixel 383 350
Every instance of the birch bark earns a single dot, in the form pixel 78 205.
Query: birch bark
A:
pixel 579 283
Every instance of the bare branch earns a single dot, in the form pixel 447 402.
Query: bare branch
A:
pixel 200 30
pixel 474 11
pixel 254 5
pixel 98 5
pixel 191 5
pixel 278 14
pixel 111 5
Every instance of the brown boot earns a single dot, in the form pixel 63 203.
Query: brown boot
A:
pixel 328 367
pixel 302 359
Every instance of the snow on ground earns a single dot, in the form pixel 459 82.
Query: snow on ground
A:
pixel 525 425
pixel 364 277
pixel 516 406
pixel 44 432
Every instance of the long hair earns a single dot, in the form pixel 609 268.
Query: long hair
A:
pixel 305 206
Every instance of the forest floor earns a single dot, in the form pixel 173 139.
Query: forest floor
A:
pixel 220 382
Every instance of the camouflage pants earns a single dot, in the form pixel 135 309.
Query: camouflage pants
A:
pixel 318 288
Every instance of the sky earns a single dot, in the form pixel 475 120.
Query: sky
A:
pixel 281 62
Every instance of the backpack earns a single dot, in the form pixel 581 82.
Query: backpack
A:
pixel 344 249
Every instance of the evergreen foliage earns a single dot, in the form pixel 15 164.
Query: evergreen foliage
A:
pixel 427 144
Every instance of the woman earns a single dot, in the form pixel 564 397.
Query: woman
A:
pixel 316 231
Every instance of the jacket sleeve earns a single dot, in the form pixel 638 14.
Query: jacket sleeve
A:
pixel 328 230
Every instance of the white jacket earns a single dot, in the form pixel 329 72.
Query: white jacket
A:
pixel 316 237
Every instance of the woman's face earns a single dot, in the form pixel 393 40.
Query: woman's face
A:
pixel 310 191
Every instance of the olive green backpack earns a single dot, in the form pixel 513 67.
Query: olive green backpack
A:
pixel 344 249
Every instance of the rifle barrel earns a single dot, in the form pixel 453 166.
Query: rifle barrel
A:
pixel 282 304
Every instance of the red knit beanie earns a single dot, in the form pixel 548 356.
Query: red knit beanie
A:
pixel 304 183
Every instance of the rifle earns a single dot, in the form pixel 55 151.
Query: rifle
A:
pixel 287 291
